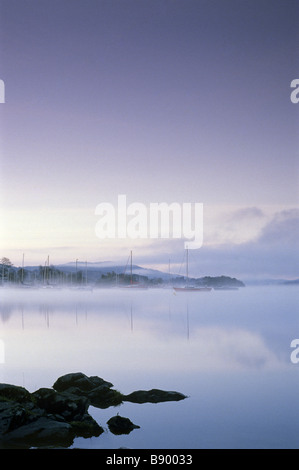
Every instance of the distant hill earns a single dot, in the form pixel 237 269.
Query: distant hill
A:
pixel 102 273
pixel 291 283
pixel 109 273
pixel 220 281
pixel 105 272
pixel 103 268
pixel 271 282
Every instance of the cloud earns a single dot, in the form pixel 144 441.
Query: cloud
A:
pixel 247 213
pixel 229 224
pixel 282 229
pixel 273 253
pixel 252 243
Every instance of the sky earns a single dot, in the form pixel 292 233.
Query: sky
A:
pixel 184 101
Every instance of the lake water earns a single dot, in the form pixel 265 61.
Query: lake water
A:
pixel 228 351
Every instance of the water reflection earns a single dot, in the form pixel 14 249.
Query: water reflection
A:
pixel 153 326
pixel 228 351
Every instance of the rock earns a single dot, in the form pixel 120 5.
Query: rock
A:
pixel 100 394
pixel 87 427
pixel 105 397
pixel 14 392
pixel 95 389
pixel 71 408
pixel 53 417
pixel 119 425
pixel 80 381
pixel 13 415
pixel 153 396
pixel 45 417
pixel 44 431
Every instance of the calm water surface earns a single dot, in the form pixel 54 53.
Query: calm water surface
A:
pixel 229 351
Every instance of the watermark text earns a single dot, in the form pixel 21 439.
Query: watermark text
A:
pixel 158 220
pixel 295 352
pixel 295 93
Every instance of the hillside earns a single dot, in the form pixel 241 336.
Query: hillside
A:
pixel 100 274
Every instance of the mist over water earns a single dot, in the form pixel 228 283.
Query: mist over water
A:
pixel 228 351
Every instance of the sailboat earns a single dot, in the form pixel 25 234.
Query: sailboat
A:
pixel 188 288
pixel 133 285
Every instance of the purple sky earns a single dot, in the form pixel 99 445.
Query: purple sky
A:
pixel 161 100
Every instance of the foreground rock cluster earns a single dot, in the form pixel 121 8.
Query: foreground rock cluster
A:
pixel 53 417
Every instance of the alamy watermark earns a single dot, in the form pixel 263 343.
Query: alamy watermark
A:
pixel 2 91
pixel 157 220
pixel 295 354
pixel 295 93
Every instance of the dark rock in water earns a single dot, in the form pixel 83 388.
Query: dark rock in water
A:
pixel 14 392
pixel 68 406
pixel 54 417
pixel 45 417
pixel 80 381
pixel 100 394
pixel 87 427
pixel 13 415
pixel 105 397
pixel 153 396
pixel 95 389
pixel 44 431
pixel 119 425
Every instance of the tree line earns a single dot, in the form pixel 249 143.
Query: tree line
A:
pixel 9 274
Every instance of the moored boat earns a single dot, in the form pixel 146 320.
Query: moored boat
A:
pixel 187 287
pixel 192 289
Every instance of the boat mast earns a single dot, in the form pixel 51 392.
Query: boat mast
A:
pixel 22 278
pixel 187 267
pixel 131 269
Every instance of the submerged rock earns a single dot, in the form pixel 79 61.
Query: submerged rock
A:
pixel 153 396
pixel 120 425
